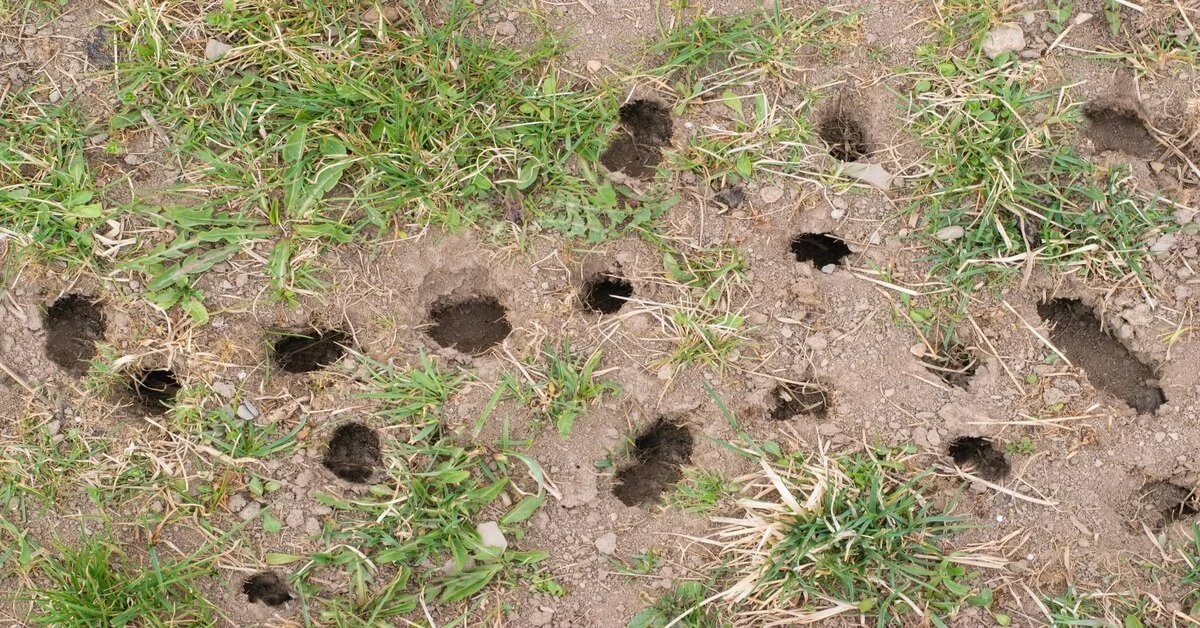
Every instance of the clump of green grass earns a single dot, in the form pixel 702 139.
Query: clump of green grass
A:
pixel 561 389
pixel 824 536
pixel 681 606
pixel 94 583
pixel 703 492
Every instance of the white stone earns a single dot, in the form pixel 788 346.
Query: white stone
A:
pixel 948 234
pixel 491 536
pixel 770 194
pixel 506 29
pixel 872 174
pixel 216 49
pixel 594 65
pixel 1002 39
pixel 607 544
pixel 1163 244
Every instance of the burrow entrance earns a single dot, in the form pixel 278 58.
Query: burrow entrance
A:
pixel 354 452
pixel 637 149
pixel 1162 502
pixel 74 324
pixel 1119 126
pixel 661 452
pixel 821 249
pixel 1077 332
pixel 956 366
pixel 844 134
pixel 979 454
pixel 266 587
pixel 305 352
pixel 605 293
pixel 471 325
pixel 155 389
pixel 809 399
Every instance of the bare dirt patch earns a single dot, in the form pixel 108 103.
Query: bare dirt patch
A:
pixel 638 148
pixel 266 587
pixel 661 452
pixel 305 352
pixel 821 249
pixel 808 399
pixel 354 453
pixel 1077 332
pixel 605 293
pixel 74 324
pixel 1119 125
pixel 980 455
pixel 472 325
pixel 155 389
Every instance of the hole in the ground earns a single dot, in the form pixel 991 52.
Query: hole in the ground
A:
pixel 638 148
pixel 661 452
pixel 266 587
pixel 155 389
pixel 821 249
pixel 605 293
pixel 1162 503
pixel 471 325
pixel 1119 126
pixel 844 135
pixel 980 454
pixel 354 452
pixel 955 366
pixel 304 352
pixel 793 400
pixel 74 324
pixel 1076 331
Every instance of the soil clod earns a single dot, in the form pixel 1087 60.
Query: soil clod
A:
pixel 980 453
pixel 605 293
pixel 793 400
pixel 310 351
pixel 845 136
pixel 1077 332
pixel 266 587
pixel 956 366
pixel 471 325
pixel 1162 503
pixel 638 148
pixel 74 324
pixel 354 453
pixel 155 389
pixel 819 248
pixel 661 451
pixel 1119 126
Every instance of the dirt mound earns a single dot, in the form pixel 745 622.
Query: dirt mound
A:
pixel 304 352
pixel 605 293
pixel 471 325
pixel 74 324
pixel 266 587
pixel 354 452
pixel 821 249
pixel 660 452
pixel 1077 332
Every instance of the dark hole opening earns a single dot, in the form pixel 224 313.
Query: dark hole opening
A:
pixel 637 149
pixel 1119 127
pixel 155 389
pixel 819 248
pixel 310 351
pixel 1077 332
pixel 266 587
pixel 956 366
pixel 661 452
pixel 648 121
pixel 605 293
pixel 793 400
pixel 469 325
pixel 74 324
pixel 354 452
pixel 845 136
pixel 980 453
pixel 1166 502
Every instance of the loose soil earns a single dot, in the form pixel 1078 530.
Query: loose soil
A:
pixel 74 324
pixel 660 453
pixel 472 325
pixel 354 453
pixel 605 294
pixel 266 587
pixel 304 352
pixel 1109 366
